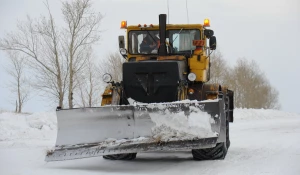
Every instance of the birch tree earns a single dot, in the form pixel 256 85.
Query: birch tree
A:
pixel 82 31
pixel 89 85
pixel 19 84
pixel 57 54
pixel 112 64
pixel 39 42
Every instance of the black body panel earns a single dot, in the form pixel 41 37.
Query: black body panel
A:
pixel 152 81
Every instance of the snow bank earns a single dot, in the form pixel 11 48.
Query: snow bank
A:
pixel 251 114
pixel 26 126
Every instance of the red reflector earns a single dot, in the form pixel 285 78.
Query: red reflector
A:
pixel 198 43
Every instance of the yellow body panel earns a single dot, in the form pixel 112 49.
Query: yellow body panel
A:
pixel 106 96
pixel 199 66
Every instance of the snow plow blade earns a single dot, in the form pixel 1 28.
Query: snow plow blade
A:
pixel 107 130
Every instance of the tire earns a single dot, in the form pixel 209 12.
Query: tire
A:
pixel 220 150
pixel 217 153
pixel 129 156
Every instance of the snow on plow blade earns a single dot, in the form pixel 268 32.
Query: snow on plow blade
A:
pixel 90 132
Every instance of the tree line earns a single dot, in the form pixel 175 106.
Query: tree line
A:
pixel 251 87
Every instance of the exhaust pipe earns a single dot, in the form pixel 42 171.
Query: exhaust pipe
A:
pixel 162 34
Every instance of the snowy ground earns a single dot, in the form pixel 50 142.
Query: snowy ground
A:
pixel 263 142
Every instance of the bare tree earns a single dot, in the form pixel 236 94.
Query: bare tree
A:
pixel 219 70
pixel 273 101
pixel 57 54
pixel 88 84
pixel 39 42
pixel 82 31
pixel 19 84
pixel 113 65
pixel 252 88
pixel 55 84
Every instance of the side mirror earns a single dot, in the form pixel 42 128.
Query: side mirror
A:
pixel 208 33
pixel 121 42
pixel 213 43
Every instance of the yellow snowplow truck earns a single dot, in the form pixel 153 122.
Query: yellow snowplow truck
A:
pixel 163 103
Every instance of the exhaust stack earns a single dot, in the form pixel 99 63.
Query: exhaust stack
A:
pixel 162 34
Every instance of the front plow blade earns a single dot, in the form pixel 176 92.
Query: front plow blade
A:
pixel 90 132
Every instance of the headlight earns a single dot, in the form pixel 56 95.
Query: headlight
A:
pixel 106 78
pixel 192 76
pixel 123 51
pixel 191 91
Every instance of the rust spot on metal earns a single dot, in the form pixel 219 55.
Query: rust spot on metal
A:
pixel 50 152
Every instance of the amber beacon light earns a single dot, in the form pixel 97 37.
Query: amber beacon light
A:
pixel 123 24
pixel 206 23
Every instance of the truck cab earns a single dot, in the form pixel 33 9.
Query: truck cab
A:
pixel 162 60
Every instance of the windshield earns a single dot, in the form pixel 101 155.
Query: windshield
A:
pixel 143 42
pixel 182 40
pixel 147 41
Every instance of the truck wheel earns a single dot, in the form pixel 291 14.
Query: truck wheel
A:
pixel 220 150
pixel 129 156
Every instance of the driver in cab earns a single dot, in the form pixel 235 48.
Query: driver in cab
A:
pixel 149 45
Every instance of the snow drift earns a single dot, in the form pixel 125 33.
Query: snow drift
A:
pixel 15 126
pixel 252 114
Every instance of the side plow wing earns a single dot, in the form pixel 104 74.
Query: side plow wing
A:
pixel 90 132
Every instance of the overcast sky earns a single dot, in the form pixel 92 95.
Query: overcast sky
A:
pixel 266 31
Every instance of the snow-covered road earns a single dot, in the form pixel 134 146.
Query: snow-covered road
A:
pixel 263 142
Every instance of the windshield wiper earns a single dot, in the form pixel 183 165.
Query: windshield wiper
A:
pixel 171 43
pixel 151 36
pixel 177 36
